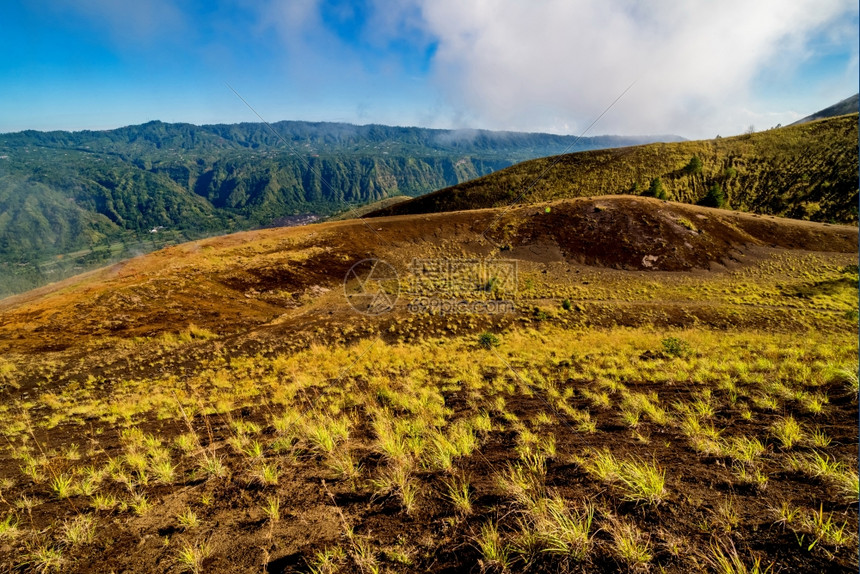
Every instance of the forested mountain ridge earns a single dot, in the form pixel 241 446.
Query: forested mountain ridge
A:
pixel 804 171
pixel 847 106
pixel 133 141
pixel 69 200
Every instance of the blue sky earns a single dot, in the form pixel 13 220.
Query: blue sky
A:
pixel 698 68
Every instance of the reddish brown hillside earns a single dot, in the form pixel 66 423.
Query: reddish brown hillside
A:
pixel 231 283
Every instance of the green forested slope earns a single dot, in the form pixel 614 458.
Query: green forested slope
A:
pixel 72 199
pixel 806 171
pixel 847 106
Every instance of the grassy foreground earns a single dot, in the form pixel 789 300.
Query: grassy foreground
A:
pixel 548 449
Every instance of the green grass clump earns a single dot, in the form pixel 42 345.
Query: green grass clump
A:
pixel 639 481
pixel 494 551
pixel 631 545
pixel 79 530
pixel 63 486
pixel 9 527
pixel 188 519
pixel 45 558
pixel 191 556
pixel 725 559
pixel 564 532
pixel 459 493
pixel 824 530
pixel 787 431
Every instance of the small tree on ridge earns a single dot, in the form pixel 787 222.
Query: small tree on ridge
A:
pixel 715 197
pixel 656 189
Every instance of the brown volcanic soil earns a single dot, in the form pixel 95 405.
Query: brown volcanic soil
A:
pixel 636 233
pixel 621 261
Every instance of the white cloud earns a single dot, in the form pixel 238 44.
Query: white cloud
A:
pixel 700 67
pixel 137 21
pixel 316 63
pixel 296 19
pixel 545 64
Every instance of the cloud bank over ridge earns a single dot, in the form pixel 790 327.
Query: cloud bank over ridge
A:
pixel 559 63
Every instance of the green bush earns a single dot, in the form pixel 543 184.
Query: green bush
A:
pixel 488 340
pixel 566 305
pixel 715 197
pixel 675 347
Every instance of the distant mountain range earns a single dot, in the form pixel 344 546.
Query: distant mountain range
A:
pixel 69 200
